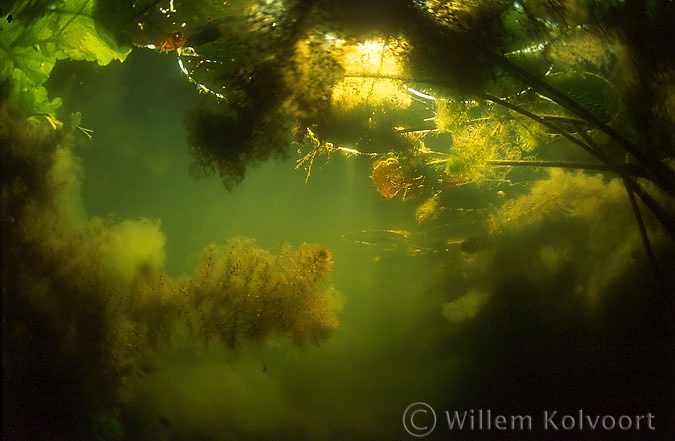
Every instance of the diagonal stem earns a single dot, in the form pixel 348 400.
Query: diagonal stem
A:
pixel 661 214
pixel 663 176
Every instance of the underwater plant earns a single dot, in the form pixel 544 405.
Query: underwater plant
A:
pixel 444 98
pixel 536 84
pixel 85 311
pixel 85 314
pixel 449 100
pixel 246 293
pixel 39 34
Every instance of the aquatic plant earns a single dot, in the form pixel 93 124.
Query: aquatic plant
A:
pixel 84 313
pixel 512 82
pixel 572 230
pixel 524 85
pixel 41 33
pixel 533 84
pixel 246 293
pixel 68 334
pixel 227 142
pixel 87 314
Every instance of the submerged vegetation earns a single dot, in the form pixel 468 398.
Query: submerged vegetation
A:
pixel 550 123
pixel 246 293
pixel 510 84
pixel 94 294
pixel 87 304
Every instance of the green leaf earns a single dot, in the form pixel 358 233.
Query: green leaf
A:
pixel 41 34
pixel 591 91
pixel 81 38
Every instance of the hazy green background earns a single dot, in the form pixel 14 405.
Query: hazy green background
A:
pixel 388 351
pixel 529 350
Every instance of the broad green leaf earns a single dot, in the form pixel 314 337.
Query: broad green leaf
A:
pixel 591 91
pixel 41 34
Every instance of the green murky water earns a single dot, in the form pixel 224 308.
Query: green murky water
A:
pixel 389 349
pixel 520 302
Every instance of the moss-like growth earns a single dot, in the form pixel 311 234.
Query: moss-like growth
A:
pixel 573 230
pixel 246 293
pixel 227 143
pixel 87 304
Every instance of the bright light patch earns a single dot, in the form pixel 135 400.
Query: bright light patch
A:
pixel 180 64
pixel 374 74
pixel 419 94
pixel 381 57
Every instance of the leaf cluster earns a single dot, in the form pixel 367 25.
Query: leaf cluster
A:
pixel 42 33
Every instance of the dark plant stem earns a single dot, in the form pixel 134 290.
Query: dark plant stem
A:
pixel 546 122
pixel 633 187
pixel 662 215
pixel 664 218
pixel 554 164
pixel 663 176
pixel 651 256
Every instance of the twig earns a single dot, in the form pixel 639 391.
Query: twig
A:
pixel 651 256
pixel 663 176
pixel 662 215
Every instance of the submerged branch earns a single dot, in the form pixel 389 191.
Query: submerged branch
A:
pixel 552 126
pixel 663 176
pixel 651 256
pixel 627 174
pixel 555 164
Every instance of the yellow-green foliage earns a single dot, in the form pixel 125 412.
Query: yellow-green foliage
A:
pixel 98 288
pixel 488 140
pixel 464 15
pixel 87 302
pixel 131 245
pixel 607 236
pixel 563 194
pixel 573 231
pixel 451 116
pixel 42 33
pixel 106 281
pixel 473 147
pixel 482 133
pixel 244 292
pixel 465 307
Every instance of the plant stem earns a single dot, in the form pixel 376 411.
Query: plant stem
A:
pixel 663 176
pixel 555 164
pixel 651 256
pixel 549 124
pixel 661 214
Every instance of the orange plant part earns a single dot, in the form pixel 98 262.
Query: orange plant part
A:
pixel 388 177
pixel 171 43
pixel 163 42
